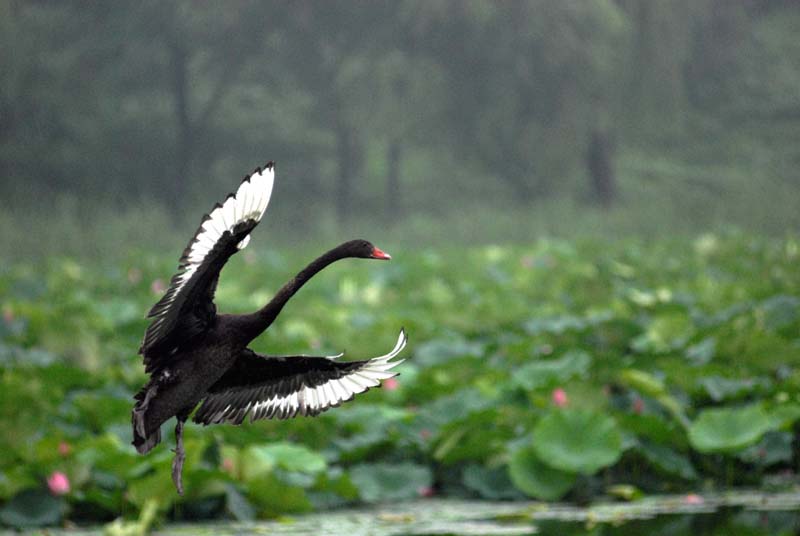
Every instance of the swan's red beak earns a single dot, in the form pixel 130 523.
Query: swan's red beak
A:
pixel 378 254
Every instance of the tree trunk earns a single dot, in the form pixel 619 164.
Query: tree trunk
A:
pixel 393 201
pixel 344 152
pixel 184 150
pixel 600 166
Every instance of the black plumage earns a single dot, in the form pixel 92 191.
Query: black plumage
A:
pixel 196 356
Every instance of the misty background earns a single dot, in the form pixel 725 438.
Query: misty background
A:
pixel 416 121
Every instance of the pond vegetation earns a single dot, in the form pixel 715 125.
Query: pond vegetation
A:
pixel 570 371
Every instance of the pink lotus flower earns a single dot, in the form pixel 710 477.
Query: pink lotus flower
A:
pixel 8 314
pixel 227 465
pixel 693 498
pixel 638 406
pixel 559 397
pixel 58 483
pixel 425 491
pixel 391 384
pixel 64 448
pixel 158 287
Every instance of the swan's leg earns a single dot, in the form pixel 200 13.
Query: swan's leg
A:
pixel 141 407
pixel 180 456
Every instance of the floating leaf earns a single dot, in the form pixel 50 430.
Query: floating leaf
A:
pixel 364 426
pixel 648 384
pixel 536 479
pixel 654 427
pixel 493 484
pixel 13 355
pixel 378 482
pixel 439 351
pixel 474 438
pixel 664 333
pixel 237 505
pixel 720 389
pixel 785 415
pixel 667 460
pixel 577 441
pixel 271 496
pixel 157 486
pixel 548 373
pixel 259 459
pixel 333 489
pixel 779 311
pixel 450 408
pixel 32 508
pixel 555 325
pixel 774 447
pixel 702 352
pixel 728 429
pixel 644 382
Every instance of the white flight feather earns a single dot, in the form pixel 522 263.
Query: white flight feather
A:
pixel 315 399
pixel 249 202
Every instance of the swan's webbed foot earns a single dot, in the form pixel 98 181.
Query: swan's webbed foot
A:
pixel 180 456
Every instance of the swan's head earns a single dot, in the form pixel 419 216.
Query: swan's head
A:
pixel 365 250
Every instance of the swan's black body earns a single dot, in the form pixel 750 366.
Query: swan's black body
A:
pixel 195 355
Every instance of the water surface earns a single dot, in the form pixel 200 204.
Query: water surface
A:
pixel 732 513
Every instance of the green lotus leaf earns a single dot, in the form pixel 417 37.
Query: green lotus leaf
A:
pixel 270 497
pixel 492 484
pixel 665 332
pixel 702 352
pixel 784 416
pixel 552 372
pixel 668 460
pixel 728 429
pixel 32 508
pixel 774 448
pixel 577 441
pixel 779 311
pixel 535 478
pixel 258 459
pixel 378 482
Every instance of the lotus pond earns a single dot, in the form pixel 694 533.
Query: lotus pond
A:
pixel 731 514
pixel 600 373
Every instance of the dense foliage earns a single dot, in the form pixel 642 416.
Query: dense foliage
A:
pixel 551 370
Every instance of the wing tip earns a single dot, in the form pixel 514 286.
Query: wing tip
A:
pixel 402 340
pixel 269 166
pixel 214 224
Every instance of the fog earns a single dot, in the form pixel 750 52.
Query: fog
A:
pixel 422 121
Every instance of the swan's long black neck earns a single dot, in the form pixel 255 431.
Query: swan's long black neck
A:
pixel 254 324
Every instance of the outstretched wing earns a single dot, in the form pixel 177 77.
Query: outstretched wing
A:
pixel 187 308
pixel 269 387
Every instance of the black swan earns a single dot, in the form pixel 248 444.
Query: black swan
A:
pixel 194 355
